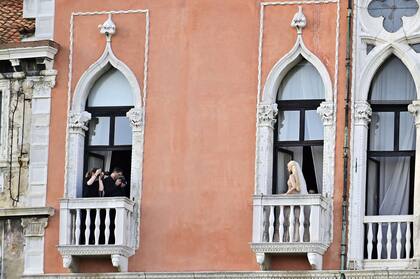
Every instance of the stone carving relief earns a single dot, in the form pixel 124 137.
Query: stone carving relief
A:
pixel 267 115
pixel 79 120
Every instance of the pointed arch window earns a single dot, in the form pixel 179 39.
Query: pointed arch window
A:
pixel 391 143
pixel 108 143
pixel 299 129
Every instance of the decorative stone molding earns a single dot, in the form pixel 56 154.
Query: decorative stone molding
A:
pixel 299 21
pixel 414 108
pixel 120 262
pixel 289 248
pixel 45 82
pixel 315 260
pixel 362 113
pixel 79 121
pixel 326 112
pixel 289 274
pixel 267 115
pixel 34 226
pixel 136 118
pixel 262 260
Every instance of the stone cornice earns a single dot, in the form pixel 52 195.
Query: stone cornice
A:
pixel 22 51
pixel 26 212
pixel 302 274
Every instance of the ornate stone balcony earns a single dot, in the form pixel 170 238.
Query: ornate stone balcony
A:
pixel 291 224
pixel 96 227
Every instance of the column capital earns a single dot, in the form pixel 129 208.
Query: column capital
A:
pixel 136 118
pixel 34 226
pixel 267 115
pixel 326 111
pixel 414 108
pixel 362 113
pixel 78 121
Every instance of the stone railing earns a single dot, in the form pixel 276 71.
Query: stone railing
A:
pixel 291 224
pixel 388 239
pixel 96 226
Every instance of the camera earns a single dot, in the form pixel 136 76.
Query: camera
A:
pixel 122 178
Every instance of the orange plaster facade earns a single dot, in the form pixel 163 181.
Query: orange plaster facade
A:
pixel 200 126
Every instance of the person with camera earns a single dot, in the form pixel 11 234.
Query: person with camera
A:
pixel 115 183
pixel 94 185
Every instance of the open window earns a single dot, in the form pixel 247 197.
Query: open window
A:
pixel 108 143
pixel 299 130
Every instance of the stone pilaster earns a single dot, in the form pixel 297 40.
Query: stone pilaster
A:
pixel 33 230
pixel 362 114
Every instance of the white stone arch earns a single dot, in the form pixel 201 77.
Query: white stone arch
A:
pixel 286 63
pixel 376 59
pixel 267 110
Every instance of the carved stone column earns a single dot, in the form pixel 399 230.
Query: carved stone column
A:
pixel 266 118
pixel 137 124
pixel 33 230
pixel 264 168
pixel 362 113
pixel 326 112
pixel 414 108
pixel 78 125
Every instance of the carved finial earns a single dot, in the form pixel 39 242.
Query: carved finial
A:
pixel 299 21
pixel 108 28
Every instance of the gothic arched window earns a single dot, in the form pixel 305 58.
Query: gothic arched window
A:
pixel 299 131
pixel 108 142
pixel 391 144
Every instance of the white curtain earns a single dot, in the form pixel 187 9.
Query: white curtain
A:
pixel 393 82
pixel 314 130
pixel 302 82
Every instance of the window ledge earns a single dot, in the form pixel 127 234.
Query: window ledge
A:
pixel 95 250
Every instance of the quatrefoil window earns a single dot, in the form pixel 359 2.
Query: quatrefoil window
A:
pixel 392 11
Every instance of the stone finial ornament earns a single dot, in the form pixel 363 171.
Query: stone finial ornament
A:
pixel 299 21
pixel 108 28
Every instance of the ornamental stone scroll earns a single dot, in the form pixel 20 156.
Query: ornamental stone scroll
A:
pixel 326 112
pixel 78 121
pixel 362 113
pixel 135 115
pixel 414 108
